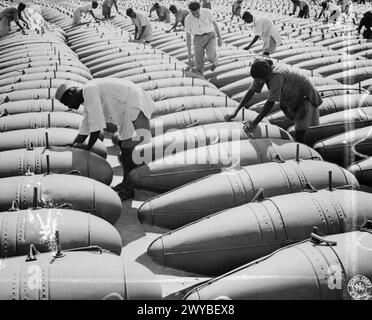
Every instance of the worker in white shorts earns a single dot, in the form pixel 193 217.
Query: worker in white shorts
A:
pixel 201 24
pixel 87 8
pixel 11 14
pixel 117 101
pixel 143 28
pixel 265 29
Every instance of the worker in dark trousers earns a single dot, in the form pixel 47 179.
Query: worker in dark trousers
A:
pixel 236 8
pixel 296 94
pixel 304 9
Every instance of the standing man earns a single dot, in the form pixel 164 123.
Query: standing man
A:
pixel 11 14
pixel 303 6
pixel 296 94
pixel 265 29
pixel 143 28
pixel 87 8
pixel 203 27
pixel 180 16
pixel 107 6
pixel 334 10
pixel 161 11
pixel 117 101
pixel 236 8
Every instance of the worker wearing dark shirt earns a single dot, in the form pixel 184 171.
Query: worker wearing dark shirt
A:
pixel 366 22
pixel 298 98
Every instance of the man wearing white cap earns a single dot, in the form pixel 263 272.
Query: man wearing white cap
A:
pixel 117 101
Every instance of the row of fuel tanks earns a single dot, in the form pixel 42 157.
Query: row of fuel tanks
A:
pixel 243 166
pixel 57 209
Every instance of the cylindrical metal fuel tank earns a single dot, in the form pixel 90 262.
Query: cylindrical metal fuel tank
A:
pixel 337 123
pixel 318 269
pixel 37 105
pixel 172 105
pixel 58 159
pixel 20 229
pixel 50 190
pixel 34 120
pixel 230 189
pixel 44 137
pixel 344 148
pixel 197 117
pixel 204 135
pixel 228 239
pixel 76 275
pixel 183 167
pixel 362 171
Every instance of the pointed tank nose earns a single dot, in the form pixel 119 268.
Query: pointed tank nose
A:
pixel 156 251
pixel 145 214
pixel 104 235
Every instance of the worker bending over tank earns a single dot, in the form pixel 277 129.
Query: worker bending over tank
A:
pixel 333 9
pixel 87 8
pixel 161 11
pixel 366 22
pixel 143 28
pixel 116 101
pixel 180 16
pixel 304 11
pixel 296 94
pixel 12 14
pixel 265 29
pixel 107 6
pixel 203 27
pixel 236 8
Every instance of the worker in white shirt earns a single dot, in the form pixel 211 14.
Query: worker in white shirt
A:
pixel 180 16
pixel 265 29
pixel 333 9
pixel 162 12
pixel 117 101
pixel 236 8
pixel 203 27
pixel 107 6
pixel 87 8
pixel 143 28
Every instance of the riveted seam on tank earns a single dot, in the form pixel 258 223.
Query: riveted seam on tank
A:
pixel 284 227
pixel 286 176
pixel 340 214
pixel 316 201
pixel 300 174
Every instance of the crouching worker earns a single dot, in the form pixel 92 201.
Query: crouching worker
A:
pixel 87 8
pixel 296 94
pixel 117 101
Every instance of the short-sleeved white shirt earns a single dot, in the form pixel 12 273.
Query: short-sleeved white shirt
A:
pixel 140 21
pixel 86 8
pixel 118 101
pixel 265 28
pixel 202 25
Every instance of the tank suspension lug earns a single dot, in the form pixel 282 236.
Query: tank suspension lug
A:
pixel 30 146
pixel 317 239
pixel 14 207
pixel 58 253
pixel 278 158
pixel 74 172
pixel 31 256
pixel 259 196
pixel 366 227
pixel 6 99
pixel 309 187
pixel 29 171
pixel 4 113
